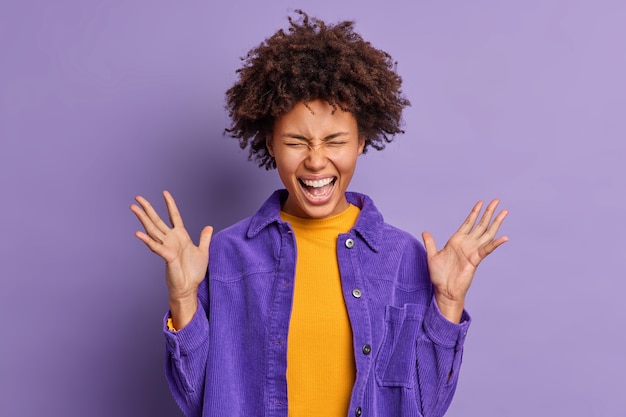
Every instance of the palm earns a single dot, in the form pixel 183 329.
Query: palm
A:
pixel 452 268
pixel 186 262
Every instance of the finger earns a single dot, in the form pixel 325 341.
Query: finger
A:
pixel 469 222
pixel 493 228
pixel 152 214
pixel 205 238
pixel 497 222
pixel 429 244
pixel 485 220
pixel 150 243
pixel 147 224
pixel 172 210
pixel 491 246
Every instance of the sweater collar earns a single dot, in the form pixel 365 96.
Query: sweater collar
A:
pixel 368 225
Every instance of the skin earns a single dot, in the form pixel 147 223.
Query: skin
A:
pixel 452 268
pixel 311 142
pixel 315 142
pixel 185 262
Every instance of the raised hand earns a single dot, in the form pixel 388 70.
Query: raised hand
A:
pixel 186 263
pixel 452 268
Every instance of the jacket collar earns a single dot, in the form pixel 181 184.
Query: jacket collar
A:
pixel 368 225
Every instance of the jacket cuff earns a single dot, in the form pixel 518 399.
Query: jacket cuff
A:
pixel 189 338
pixel 442 331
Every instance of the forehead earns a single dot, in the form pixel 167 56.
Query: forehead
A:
pixel 315 117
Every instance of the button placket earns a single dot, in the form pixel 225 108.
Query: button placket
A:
pixel 357 293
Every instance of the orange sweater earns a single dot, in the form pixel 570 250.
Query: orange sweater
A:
pixel 320 355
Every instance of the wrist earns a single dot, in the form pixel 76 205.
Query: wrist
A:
pixel 179 298
pixel 451 309
pixel 182 310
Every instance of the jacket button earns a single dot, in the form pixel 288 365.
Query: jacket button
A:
pixel 358 411
pixel 367 349
pixel 349 243
pixel 356 293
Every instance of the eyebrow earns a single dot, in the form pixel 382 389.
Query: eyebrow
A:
pixel 304 138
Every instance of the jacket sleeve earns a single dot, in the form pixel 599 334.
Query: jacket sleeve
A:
pixel 186 357
pixel 439 354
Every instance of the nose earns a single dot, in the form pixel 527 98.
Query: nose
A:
pixel 316 158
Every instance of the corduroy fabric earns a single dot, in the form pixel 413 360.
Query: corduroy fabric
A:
pixel 231 359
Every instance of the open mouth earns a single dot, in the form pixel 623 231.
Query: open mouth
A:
pixel 318 188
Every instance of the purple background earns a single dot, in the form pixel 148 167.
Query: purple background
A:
pixel 100 101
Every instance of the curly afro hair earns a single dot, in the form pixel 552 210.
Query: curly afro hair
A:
pixel 314 60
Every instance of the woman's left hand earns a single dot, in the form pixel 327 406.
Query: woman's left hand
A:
pixel 452 268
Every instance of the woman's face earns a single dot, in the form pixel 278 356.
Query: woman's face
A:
pixel 316 148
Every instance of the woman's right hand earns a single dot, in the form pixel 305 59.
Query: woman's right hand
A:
pixel 186 263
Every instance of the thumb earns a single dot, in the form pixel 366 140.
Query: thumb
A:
pixel 429 244
pixel 205 238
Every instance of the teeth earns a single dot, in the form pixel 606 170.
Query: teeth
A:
pixel 317 183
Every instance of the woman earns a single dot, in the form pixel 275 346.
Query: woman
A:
pixel 314 306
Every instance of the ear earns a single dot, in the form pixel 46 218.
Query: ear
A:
pixel 361 145
pixel 268 144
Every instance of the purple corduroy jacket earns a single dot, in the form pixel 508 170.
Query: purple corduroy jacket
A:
pixel 231 359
